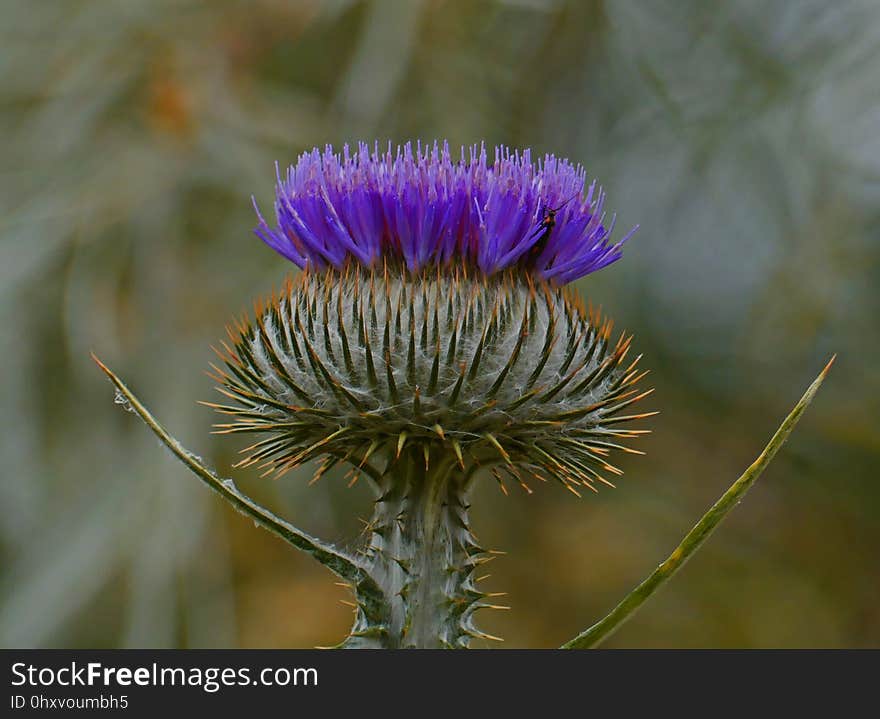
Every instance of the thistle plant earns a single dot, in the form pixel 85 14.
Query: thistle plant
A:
pixel 430 342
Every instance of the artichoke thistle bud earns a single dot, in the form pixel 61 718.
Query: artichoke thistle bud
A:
pixel 429 340
pixel 500 372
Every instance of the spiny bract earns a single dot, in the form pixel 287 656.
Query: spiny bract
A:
pixel 504 372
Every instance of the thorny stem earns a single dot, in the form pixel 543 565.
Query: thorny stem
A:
pixel 694 539
pixel 423 555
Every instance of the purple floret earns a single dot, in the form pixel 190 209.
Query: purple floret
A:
pixel 420 205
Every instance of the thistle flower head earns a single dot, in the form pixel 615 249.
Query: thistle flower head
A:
pixel 430 318
pixel 430 337
pixel 422 206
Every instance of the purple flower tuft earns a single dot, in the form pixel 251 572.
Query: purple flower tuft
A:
pixel 421 205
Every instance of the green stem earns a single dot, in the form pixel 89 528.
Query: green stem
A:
pixel 694 539
pixel 423 555
pixel 342 564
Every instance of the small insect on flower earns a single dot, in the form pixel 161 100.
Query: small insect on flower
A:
pixel 545 227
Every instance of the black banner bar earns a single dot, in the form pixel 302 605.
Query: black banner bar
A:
pixel 397 683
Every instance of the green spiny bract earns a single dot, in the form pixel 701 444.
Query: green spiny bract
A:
pixel 419 381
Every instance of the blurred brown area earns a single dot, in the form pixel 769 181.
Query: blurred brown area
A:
pixel 744 138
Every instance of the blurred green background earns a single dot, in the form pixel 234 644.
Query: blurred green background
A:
pixel 743 136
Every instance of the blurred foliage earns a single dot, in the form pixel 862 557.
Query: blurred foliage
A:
pixel 744 137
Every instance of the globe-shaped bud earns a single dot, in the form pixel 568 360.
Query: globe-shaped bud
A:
pixel 504 372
